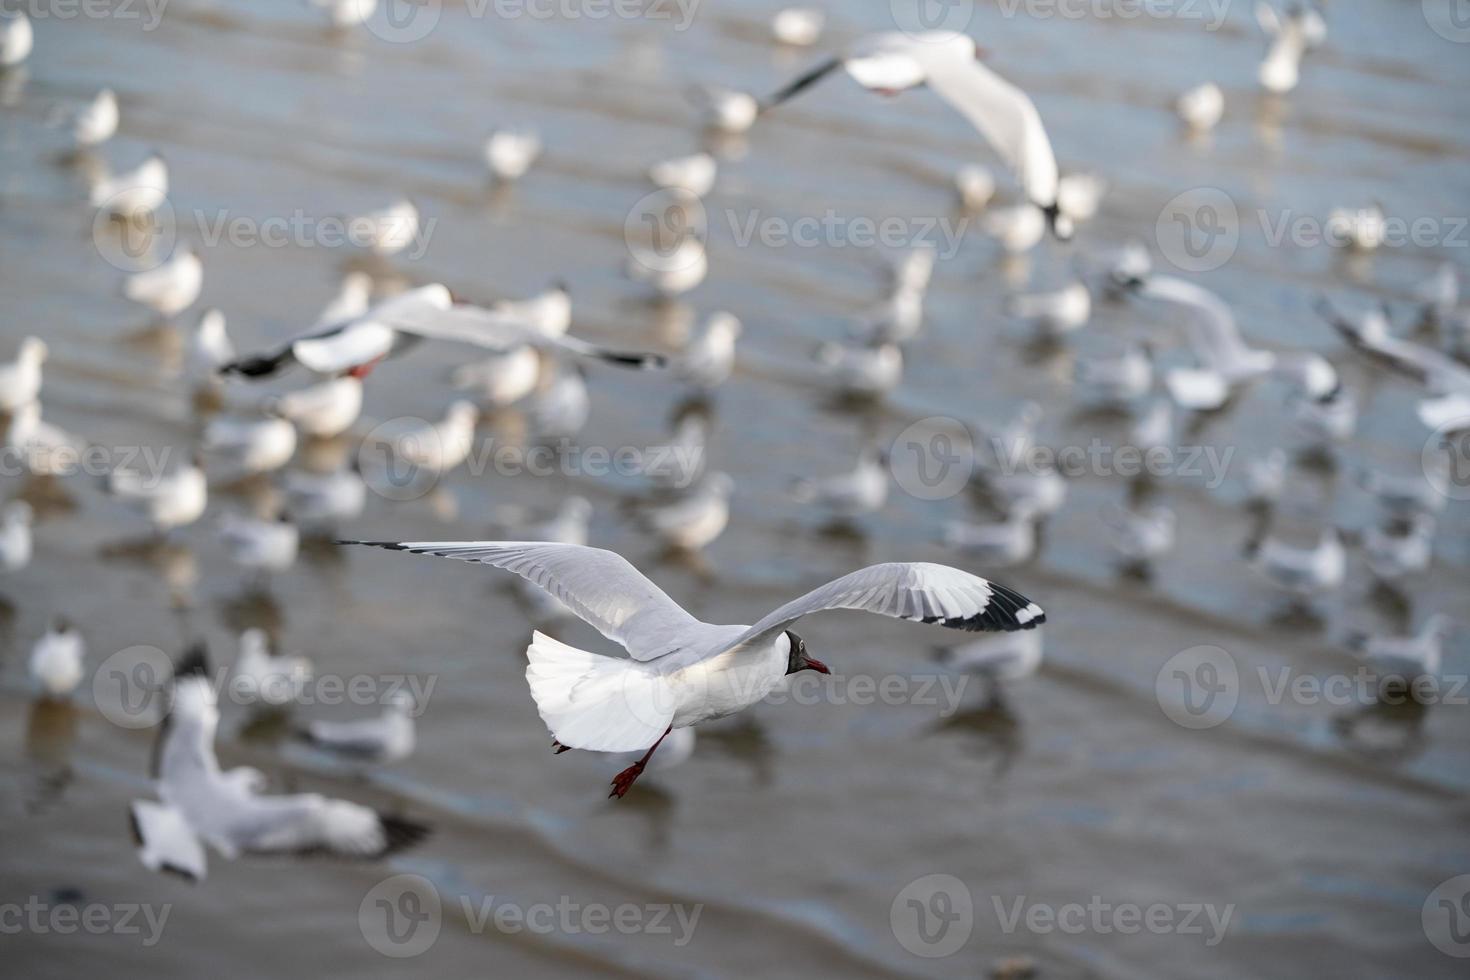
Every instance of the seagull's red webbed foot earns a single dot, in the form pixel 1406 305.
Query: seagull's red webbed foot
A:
pixel 624 780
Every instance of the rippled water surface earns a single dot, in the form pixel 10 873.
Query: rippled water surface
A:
pixel 794 827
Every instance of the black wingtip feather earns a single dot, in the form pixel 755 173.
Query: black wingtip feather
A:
pixel 998 616
pixel 194 662
pixel 401 833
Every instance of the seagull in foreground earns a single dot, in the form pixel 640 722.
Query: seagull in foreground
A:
pixel 358 344
pixel 681 671
pixel 20 379
pixel 949 63
pixel 171 287
pixel 387 738
pixel 257 675
pixel 173 500
pixel 200 804
pixel 1201 107
pixel 16 38
pixel 134 193
pixel 56 660
pixel 15 536
pixel 510 153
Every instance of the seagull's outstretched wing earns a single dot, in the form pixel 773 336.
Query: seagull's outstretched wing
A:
pixel 917 591
pixel 165 840
pixel 307 823
pixel 498 330
pixel 1212 330
pixel 1005 116
pixel 601 587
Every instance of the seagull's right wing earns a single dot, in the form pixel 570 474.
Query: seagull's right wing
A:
pixel 500 330
pixel 1005 116
pixel 165 840
pixel 601 587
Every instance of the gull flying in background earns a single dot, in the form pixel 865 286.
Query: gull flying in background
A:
pixel 949 64
pixel 681 671
pixel 199 804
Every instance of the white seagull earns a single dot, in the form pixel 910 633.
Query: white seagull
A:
pixel 387 738
pixel 259 676
pixel 1303 571
pixel 56 660
pixel 1140 537
pixel 999 544
pixel 1289 38
pixel 342 14
pixel 44 449
pixel 440 447
pixel 708 360
pixel 171 287
pixel 503 378
pixel 169 500
pixel 681 671
pixel 1201 107
pixel 134 193
pixel 510 153
pixel 862 370
pixel 997 659
pixel 949 64
pixel 696 517
pixel 975 185
pixel 1117 380
pixel 20 379
pixel 845 496
pixel 94 123
pixel 799 27
pixel 252 445
pixel 259 546
pixel 1398 551
pixel 1054 312
pixel 15 536
pixel 200 804
pixel 322 410
pixel 16 38
pixel 387 230
pixel 694 174
pixel 725 110
pixel 210 347
pixel 1402 662
pixel 325 499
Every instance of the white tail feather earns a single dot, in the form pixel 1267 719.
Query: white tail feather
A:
pixel 589 701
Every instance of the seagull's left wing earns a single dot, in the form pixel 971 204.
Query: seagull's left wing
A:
pixel 311 824
pixel 499 330
pixel 1004 115
pixel 917 591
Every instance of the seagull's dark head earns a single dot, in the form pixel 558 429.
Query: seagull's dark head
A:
pixel 796 658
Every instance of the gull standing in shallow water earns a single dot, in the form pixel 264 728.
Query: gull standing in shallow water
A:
pixel 56 660
pixel 949 63
pixel 198 803
pixel 681 671
pixel 387 738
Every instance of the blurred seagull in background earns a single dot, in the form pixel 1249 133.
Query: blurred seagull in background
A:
pixel 56 660
pixel 998 659
pixel 323 410
pixel 168 501
pixel 15 536
pixel 1201 107
pixel 695 518
pixel 20 379
pixel 260 546
pixel 800 27
pixel 16 38
pixel 949 64
pixel 171 287
pixel 1404 548
pixel 1401 662
pixel 134 193
pixel 91 124
pixel 999 544
pixel 1289 37
pixel 710 357
pixel 44 449
pixel 259 676
pixel 725 110
pixel 860 370
pixel 1302 571
pixel 200 804
pixel 342 14
pixel 511 153
pixel 251 445
pixel 501 379
pixel 694 174
pixel 1140 537
pixel 389 737
pixel 1054 312
pixel 846 496
pixel 680 671
pixel 975 185
pixel 388 230
pixel 210 348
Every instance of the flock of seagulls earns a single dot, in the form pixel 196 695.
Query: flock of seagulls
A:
pixel 681 672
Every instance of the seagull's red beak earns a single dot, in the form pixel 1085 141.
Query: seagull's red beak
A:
pixel 816 665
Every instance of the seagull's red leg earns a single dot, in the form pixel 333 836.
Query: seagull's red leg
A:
pixel 624 780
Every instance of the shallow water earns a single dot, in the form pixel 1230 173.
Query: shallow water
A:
pixel 794 829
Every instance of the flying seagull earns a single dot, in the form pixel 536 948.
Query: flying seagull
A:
pixel 356 345
pixel 949 63
pixel 198 803
pixel 681 671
